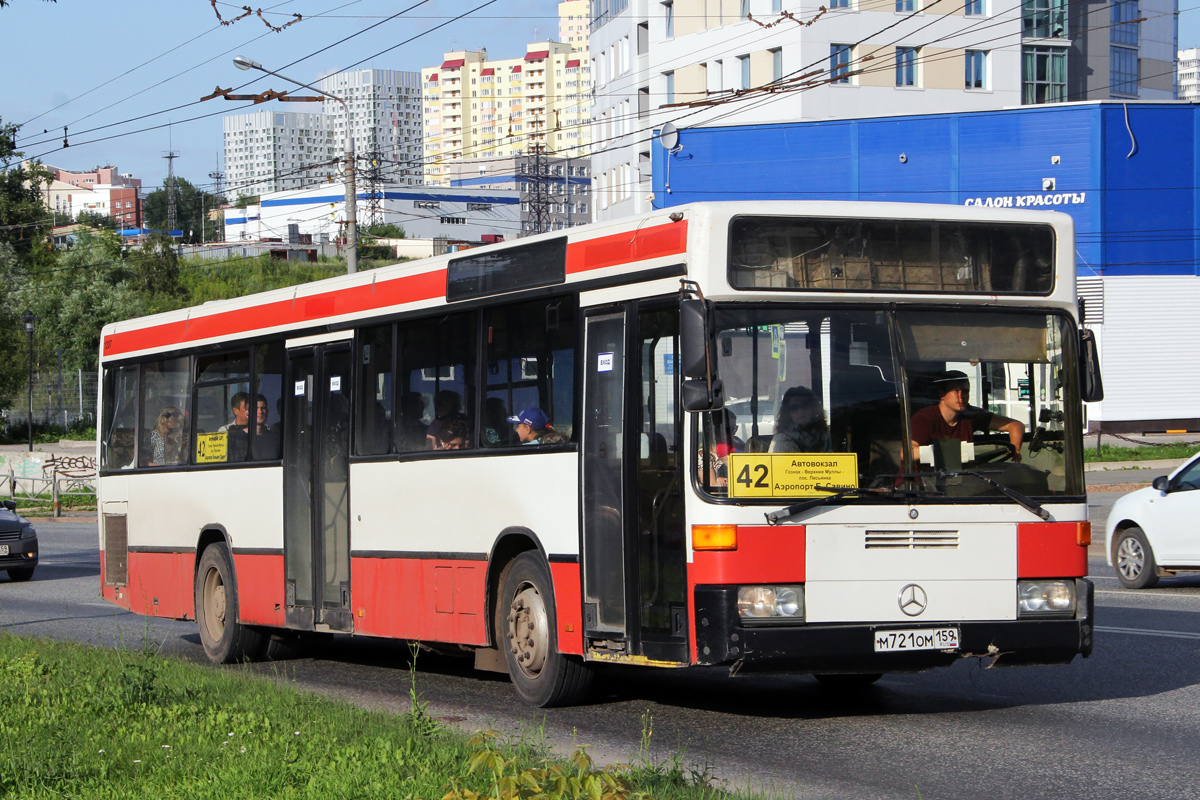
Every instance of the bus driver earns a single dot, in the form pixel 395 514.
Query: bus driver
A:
pixel 953 418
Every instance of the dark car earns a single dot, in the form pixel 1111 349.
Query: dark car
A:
pixel 18 543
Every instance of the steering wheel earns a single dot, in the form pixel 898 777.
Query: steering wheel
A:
pixel 1005 451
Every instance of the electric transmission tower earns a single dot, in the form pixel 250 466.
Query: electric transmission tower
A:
pixel 374 188
pixel 170 156
pixel 538 195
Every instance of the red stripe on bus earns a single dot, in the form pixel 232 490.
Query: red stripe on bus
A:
pixel 625 248
pixel 568 607
pixel 260 583
pixel 764 554
pixel 408 289
pixel 160 585
pixel 433 600
pixel 1050 550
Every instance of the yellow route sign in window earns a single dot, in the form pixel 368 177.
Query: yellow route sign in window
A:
pixel 789 475
pixel 212 448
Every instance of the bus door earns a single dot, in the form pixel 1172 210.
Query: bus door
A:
pixel 316 491
pixel 634 571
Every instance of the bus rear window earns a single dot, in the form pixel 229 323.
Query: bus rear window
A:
pixel 805 253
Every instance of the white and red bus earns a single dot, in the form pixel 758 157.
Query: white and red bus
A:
pixel 270 465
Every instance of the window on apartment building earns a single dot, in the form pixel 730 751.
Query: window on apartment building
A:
pixel 1044 19
pixel 975 8
pixel 669 17
pixel 776 6
pixel 776 63
pixel 1124 29
pixel 976 69
pixel 1123 71
pixel 744 69
pixel 839 63
pixel 906 66
pixel 1043 75
pixel 906 5
pixel 670 78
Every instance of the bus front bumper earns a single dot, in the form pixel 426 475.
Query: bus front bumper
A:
pixel 723 638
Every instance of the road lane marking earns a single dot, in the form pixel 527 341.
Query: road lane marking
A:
pixel 1143 632
pixel 1148 594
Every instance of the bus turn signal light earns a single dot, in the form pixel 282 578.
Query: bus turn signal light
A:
pixel 1083 534
pixel 714 537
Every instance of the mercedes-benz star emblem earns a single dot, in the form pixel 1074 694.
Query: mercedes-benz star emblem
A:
pixel 913 600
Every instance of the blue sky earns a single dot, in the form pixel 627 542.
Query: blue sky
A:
pixel 93 63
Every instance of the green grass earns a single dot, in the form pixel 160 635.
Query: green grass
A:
pixel 1109 452
pixel 88 722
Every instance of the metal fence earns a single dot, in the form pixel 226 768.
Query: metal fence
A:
pixel 66 481
pixel 58 398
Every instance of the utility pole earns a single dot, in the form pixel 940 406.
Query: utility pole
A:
pixel 537 198
pixel 170 156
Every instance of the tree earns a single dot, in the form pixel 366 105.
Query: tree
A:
pixel 191 208
pixel 155 267
pixel 389 231
pixel 94 219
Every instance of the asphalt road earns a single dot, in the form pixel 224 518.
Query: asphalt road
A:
pixel 1122 724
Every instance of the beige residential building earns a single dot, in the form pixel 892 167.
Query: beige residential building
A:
pixel 475 108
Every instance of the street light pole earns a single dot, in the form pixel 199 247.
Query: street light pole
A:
pixel 28 318
pixel 241 62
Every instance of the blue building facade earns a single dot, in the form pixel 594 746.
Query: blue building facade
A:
pixel 1127 173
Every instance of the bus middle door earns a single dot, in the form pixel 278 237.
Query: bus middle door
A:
pixel 634 570
pixel 316 491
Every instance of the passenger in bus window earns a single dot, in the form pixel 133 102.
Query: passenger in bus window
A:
pixel 800 425
pixel 166 440
pixel 496 430
pixel 531 425
pixel 455 435
pixel 410 434
pixel 954 418
pixel 447 405
pixel 238 431
pixel 266 440
pixel 554 437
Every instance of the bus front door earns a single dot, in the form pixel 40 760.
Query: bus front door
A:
pixel 634 570
pixel 316 491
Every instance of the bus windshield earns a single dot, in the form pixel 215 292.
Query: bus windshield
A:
pixel 950 402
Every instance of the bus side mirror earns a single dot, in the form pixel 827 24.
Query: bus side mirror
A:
pixel 695 340
pixel 694 395
pixel 1091 387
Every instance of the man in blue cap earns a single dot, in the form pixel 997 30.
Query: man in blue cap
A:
pixel 532 424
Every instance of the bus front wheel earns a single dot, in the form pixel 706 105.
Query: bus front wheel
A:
pixel 526 633
pixel 225 639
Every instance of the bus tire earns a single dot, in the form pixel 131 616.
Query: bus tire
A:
pixel 225 639
pixel 1134 560
pixel 526 632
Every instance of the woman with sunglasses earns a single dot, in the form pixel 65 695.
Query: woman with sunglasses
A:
pixel 166 440
pixel 800 425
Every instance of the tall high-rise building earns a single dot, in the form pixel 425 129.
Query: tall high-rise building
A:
pixel 271 151
pixel 385 115
pixel 708 62
pixel 480 108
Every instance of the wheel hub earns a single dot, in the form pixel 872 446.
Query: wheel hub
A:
pixel 1131 560
pixel 528 630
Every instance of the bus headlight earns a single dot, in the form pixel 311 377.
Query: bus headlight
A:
pixel 1046 598
pixel 771 602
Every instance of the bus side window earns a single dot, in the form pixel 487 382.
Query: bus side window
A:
pixel 166 395
pixel 374 403
pixel 530 363
pixel 222 408
pixel 437 377
pixel 119 429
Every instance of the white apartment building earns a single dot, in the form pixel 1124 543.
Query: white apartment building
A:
pixel 271 151
pixel 476 108
pixel 706 62
pixel 385 115
pixel 1189 74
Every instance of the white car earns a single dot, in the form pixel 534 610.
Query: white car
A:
pixel 1153 532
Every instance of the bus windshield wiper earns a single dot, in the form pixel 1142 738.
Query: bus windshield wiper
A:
pixel 1012 494
pixel 891 493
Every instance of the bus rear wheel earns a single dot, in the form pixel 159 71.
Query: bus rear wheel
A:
pixel 526 631
pixel 225 639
